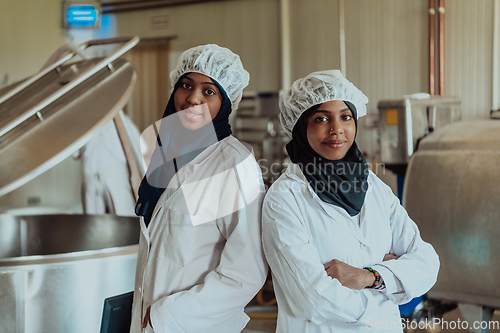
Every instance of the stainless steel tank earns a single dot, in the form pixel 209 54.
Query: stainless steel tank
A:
pixel 47 117
pixel 403 122
pixel 452 192
pixel 56 270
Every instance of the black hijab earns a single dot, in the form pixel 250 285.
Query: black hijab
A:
pixel 177 146
pixel 339 182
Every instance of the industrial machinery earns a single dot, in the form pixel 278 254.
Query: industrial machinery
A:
pixel 274 158
pixel 257 123
pixel 404 122
pixel 452 192
pixel 56 270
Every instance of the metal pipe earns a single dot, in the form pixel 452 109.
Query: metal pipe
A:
pixel 409 128
pixel 36 77
pixel 129 43
pixel 432 20
pixel 495 106
pixel 134 166
pixel 441 47
pixel 109 7
pixel 343 67
pixel 286 62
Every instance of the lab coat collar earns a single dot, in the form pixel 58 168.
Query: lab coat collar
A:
pixel 205 154
pixel 144 229
pixel 293 171
pixel 181 176
pixel 350 223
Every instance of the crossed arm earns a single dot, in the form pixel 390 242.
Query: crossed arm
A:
pixel 352 277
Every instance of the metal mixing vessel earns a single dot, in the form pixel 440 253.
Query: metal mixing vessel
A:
pixel 56 270
pixel 452 192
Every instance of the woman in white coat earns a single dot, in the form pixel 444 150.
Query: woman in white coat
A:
pixel 342 250
pixel 200 255
pixel 105 178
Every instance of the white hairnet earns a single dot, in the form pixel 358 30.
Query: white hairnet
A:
pixel 317 88
pixel 218 63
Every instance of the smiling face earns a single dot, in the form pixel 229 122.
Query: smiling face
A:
pixel 331 130
pixel 198 100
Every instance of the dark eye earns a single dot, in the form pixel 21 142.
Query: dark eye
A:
pixel 185 85
pixel 320 119
pixel 347 117
pixel 210 92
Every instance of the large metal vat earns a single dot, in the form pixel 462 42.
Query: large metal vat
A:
pixel 403 122
pixel 452 192
pixel 56 270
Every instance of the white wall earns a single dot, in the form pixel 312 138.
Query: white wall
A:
pixel 315 36
pixel 248 27
pixel 387 53
pixel 30 31
pixel 386 44
pixel 469 55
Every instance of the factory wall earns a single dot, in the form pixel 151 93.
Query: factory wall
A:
pixel 30 31
pixel 386 45
pixel 469 55
pixel 315 41
pixel 387 54
pixel 249 28
pixel 386 48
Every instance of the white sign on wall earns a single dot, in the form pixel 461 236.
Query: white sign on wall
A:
pixel 160 22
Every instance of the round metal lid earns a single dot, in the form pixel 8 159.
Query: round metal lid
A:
pixel 33 143
pixel 477 134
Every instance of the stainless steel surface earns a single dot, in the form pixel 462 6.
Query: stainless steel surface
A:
pixel 56 270
pixel 267 104
pixel 476 313
pixel 255 123
pixel 134 160
pixel 415 119
pixel 474 134
pixel 34 146
pixel 83 75
pixel 274 155
pixel 452 192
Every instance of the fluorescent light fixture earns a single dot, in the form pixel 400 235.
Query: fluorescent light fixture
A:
pixel 81 15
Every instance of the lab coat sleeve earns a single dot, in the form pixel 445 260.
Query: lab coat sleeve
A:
pixel 296 266
pixel 415 272
pixel 217 304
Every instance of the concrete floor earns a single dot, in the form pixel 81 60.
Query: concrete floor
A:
pixel 454 315
pixel 261 326
pixel 269 325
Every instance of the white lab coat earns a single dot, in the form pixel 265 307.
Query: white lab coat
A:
pixel 106 186
pixel 198 273
pixel 301 233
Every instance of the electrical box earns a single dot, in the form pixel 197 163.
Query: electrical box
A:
pixel 403 122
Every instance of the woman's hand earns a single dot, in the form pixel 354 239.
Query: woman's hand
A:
pixel 349 276
pixel 147 319
pixel 390 256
